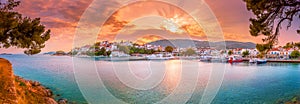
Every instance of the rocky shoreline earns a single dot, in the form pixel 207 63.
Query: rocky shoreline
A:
pixel 16 90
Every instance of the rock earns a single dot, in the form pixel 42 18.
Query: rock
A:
pixel 35 83
pixel 49 92
pixel 16 90
pixel 62 101
pixel 50 101
pixel 10 90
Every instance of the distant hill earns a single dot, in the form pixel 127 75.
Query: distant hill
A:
pixel 49 53
pixel 184 43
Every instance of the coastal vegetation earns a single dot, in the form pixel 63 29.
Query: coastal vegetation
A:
pixel 134 50
pixel 27 33
pixel 292 45
pixel 124 49
pixel 16 90
pixel 97 51
pixel 19 31
pixel 189 52
pixel 246 53
pixel 230 52
pixel 270 16
pixel 169 49
pixel 295 54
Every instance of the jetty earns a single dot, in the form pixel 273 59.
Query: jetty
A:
pixel 277 60
pixel 284 61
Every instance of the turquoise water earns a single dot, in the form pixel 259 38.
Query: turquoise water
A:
pixel 242 83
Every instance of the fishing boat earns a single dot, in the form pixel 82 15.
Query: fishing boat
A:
pixel 235 59
pixel 261 61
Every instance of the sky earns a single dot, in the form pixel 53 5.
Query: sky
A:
pixel 139 22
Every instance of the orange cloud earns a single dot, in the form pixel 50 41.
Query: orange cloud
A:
pixel 147 39
pixel 62 16
pixel 177 20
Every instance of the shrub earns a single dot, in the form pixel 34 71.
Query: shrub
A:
pixel 295 54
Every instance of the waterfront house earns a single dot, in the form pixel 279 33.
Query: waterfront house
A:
pixel 274 53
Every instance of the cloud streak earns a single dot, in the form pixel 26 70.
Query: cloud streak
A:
pixel 62 16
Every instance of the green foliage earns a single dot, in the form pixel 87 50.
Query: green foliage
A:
pixel 22 84
pixel 294 99
pixel 292 45
pixel 108 53
pixel 230 52
pixel 103 51
pixel 189 52
pixel 140 50
pixel 297 45
pixel 246 53
pixel 96 51
pixel 263 48
pixel 21 32
pixel 289 45
pixel 73 53
pixel 97 44
pixel 169 49
pixel 295 54
pixel 124 49
pixel 60 52
pixel 270 15
pixel 90 53
pixel 99 52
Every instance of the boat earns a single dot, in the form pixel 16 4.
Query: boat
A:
pixel 6 54
pixel 160 56
pixel 252 60
pixel 206 58
pixel 235 59
pixel 125 58
pixel 261 61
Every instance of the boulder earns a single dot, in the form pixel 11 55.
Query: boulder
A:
pixel 62 101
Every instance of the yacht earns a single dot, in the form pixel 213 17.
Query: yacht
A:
pixel 160 56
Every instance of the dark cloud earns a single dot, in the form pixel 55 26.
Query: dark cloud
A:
pixel 68 10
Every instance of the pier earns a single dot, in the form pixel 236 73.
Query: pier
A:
pixel 284 61
pixel 278 61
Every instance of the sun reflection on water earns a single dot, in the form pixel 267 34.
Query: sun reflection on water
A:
pixel 173 74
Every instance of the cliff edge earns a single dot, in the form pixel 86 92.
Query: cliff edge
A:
pixel 16 90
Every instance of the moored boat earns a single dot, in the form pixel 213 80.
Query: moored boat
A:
pixel 205 58
pixel 261 61
pixel 235 59
pixel 160 56
pixel 252 60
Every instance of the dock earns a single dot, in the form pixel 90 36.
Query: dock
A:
pixel 284 61
pixel 278 61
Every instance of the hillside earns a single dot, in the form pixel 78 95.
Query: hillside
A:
pixel 15 90
pixel 183 43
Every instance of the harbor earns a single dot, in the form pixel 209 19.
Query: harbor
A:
pixel 241 79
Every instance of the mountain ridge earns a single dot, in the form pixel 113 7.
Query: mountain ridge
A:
pixel 184 43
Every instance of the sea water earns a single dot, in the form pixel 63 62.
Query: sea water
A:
pixel 233 83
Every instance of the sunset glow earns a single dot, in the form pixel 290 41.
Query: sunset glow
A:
pixel 62 18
